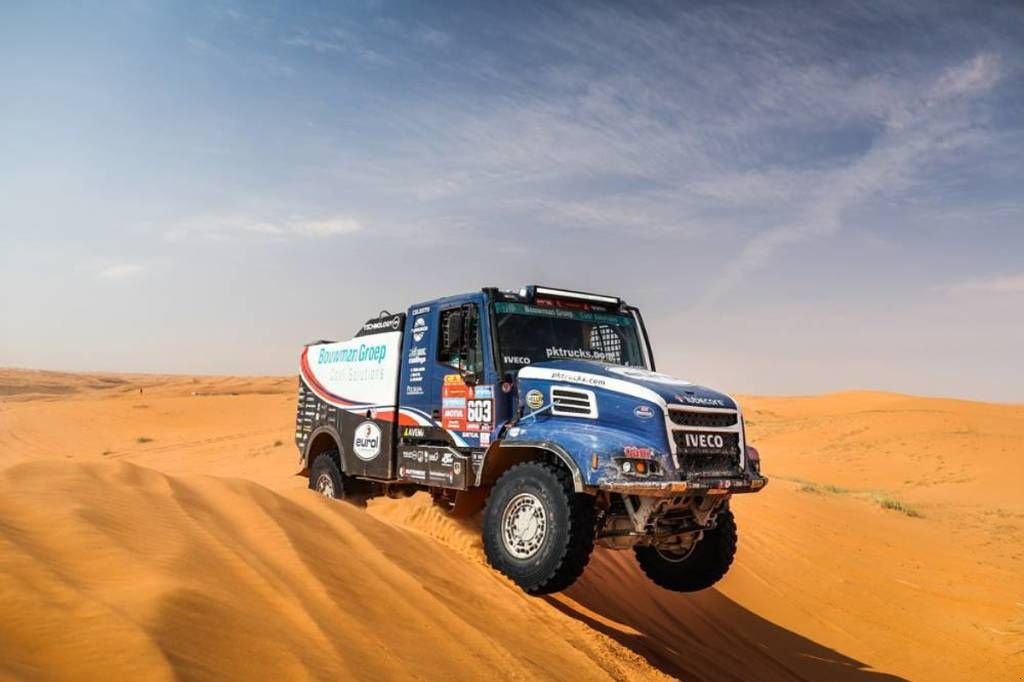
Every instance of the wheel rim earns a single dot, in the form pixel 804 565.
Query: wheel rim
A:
pixel 677 556
pixel 524 525
pixel 325 486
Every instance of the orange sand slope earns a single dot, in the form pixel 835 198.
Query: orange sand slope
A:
pixel 165 533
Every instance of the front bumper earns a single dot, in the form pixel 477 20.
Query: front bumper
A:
pixel 705 486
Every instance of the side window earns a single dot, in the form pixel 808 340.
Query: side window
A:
pixel 471 361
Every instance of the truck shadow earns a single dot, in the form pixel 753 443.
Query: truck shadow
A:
pixel 699 636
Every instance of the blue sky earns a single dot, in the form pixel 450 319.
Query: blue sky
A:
pixel 802 199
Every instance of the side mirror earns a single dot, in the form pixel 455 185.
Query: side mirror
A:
pixel 453 332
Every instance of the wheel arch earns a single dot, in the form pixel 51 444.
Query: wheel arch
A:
pixel 501 456
pixel 323 439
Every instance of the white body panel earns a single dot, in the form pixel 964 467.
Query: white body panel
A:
pixel 360 372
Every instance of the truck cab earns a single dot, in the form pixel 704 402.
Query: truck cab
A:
pixel 546 404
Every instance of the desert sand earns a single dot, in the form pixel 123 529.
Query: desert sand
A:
pixel 155 527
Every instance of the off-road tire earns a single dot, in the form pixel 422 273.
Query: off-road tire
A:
pixel 326 478
pixel 705 566
pixel 568 539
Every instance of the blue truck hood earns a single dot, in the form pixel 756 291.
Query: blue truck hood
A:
pixel 628 380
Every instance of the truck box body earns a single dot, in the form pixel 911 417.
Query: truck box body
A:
pixel 351 387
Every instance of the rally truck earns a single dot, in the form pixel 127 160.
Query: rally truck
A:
pixel 542 408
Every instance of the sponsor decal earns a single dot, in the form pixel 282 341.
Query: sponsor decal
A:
pixel 413 432
pixel 578 378
pixel 420 310
pixel 413 390
pixel 638 453
pixel 466 408
pixel 556 353
pixel 419 329
pixel 703 440
pixel 515 431
pixel 534 399
pixel 365 353
pixel 366 444
pixel 520 360
pixel 506 387
pixel 417 456
pixel 568 314
pixel 485 438
pixel 434 464
pixel 381 324
pixel 643 412
pixel 417 355
pixel 359 371
pixel 699 400
pixel 647 375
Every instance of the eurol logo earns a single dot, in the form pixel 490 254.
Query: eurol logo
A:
pixel 643 412
pixel 366 444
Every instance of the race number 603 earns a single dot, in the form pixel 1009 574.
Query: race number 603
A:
pixel 478 411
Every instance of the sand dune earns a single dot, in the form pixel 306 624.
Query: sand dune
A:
pixel 119 569
pixel 165 534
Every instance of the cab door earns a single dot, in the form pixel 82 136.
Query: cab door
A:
pixel 448 374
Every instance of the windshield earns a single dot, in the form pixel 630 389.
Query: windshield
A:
pixel 528 334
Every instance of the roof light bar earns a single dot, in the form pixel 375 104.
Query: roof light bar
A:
pixel 577 295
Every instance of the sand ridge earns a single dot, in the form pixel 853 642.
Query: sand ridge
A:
pixel 167 535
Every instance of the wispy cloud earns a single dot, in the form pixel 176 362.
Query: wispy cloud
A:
pixel 121 271
pixel 222 227
pixel 917 128
pixel 433 37
pixel 1000 284
pixel 977 74
pixel 338 40
pixel 619 129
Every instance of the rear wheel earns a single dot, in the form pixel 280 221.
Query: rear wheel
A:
pixel 696 568
pixel 326 478
pixel 537 530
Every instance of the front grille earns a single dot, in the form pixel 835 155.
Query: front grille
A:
pixel 710 466
pixel 707 454
pixel 714 420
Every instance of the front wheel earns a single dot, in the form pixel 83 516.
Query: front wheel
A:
pixel 697 568
pixel 537 530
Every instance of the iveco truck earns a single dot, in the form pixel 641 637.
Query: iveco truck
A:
pixel 543 409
